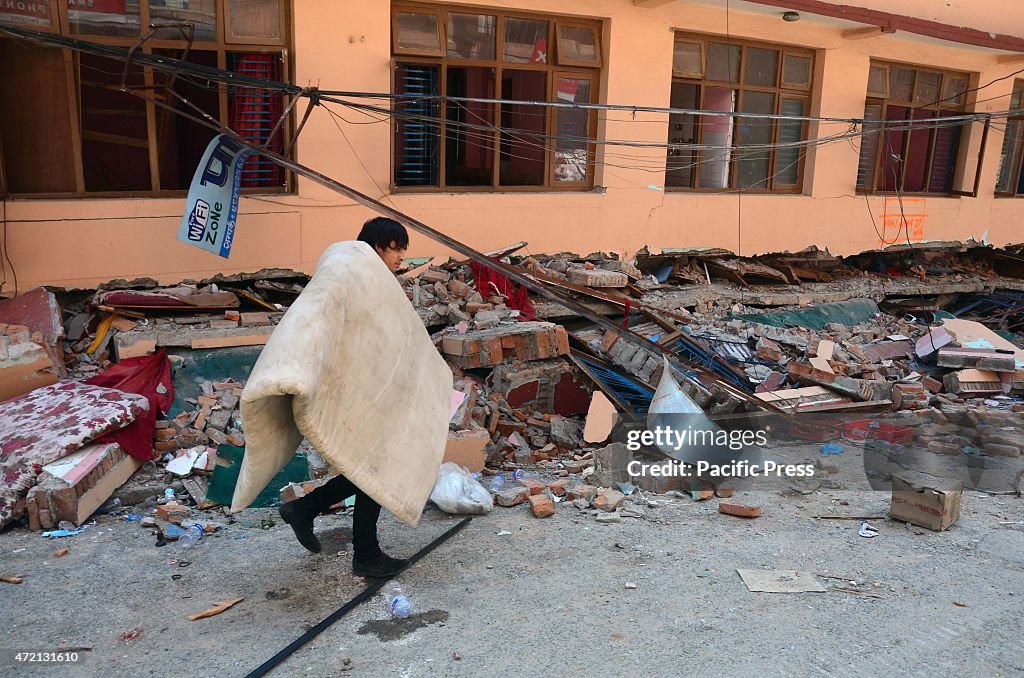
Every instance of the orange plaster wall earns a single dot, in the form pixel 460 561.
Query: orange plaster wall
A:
pixel 346 45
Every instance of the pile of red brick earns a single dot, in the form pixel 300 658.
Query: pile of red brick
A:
pixel 214 421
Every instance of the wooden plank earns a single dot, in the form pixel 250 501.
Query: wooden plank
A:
pixel 793 393
pixel 227 342
pixel 820 363
pixel 117 139
pixel 866 406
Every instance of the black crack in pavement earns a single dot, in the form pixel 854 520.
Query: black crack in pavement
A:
pixel 393 629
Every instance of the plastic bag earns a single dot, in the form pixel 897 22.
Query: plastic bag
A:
pixel 458 492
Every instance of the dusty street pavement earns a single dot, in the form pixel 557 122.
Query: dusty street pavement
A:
pixel 549 597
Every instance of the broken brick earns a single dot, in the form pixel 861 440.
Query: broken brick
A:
pixel 597 278
pixel 164 433
pixel 941 447
pixel 533 486
pixel 607 500
pixel 1001 450
pixel 586 492
pixel 512 496
pixel 542 506
pixel 558 488
pixel 173 512
pixel 739 510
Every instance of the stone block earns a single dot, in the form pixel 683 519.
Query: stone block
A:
pixel 611 465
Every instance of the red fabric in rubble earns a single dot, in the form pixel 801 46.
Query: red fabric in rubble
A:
pixel 148 376
pixel 516 295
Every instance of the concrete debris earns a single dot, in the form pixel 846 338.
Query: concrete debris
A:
pixel 805 331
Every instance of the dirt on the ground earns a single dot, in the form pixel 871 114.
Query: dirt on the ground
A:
pixel 513 595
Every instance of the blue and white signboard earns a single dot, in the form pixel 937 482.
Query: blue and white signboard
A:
pixel 212 204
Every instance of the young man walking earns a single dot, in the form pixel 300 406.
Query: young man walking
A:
pixel 389 240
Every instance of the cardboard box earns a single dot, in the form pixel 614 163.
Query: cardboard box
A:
pixel 925 500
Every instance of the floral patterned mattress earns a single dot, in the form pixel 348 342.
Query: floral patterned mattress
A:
pixel 51 422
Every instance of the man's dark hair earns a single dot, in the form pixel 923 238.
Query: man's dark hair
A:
pixel 384 233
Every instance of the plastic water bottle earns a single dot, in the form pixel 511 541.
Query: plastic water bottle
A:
pixel 497 482
pixel 110 506
pixel 519 474
pixel 398 603
pixel 192 535
pixel 169 493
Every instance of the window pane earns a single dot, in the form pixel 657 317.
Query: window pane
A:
pixel 37 139
pixel 417 32
pixel 1013 146
pixel 34 14
pixel 471 36
pixel 201 13
pixel 577 44
pixel 787 158
pixel 869 147
pixel 254 113
pixel 256 19
pixel 417 133
pixel 526 41
pixel 523 128
pixel 572 129
pixel 723 62
pixel 181 142
pixel 953 90
pixel 686 59
pixel 927 91
pixel 753 163
pixel 878 81
pixel 1015 98
pixel 762 66
pixel 115 142
pixel 902 83
pixel 916 162
pixel 716 137
pixel 796 70
pixel 105 17
pixel 944 157
pixel 469 152
pixel 682 129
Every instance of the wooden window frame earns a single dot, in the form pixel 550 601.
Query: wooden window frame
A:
pixel 551 68
pixel 55 23
pixel 224 9
pixel 1018 159
pixel 222 46
pixel 939 106
pixel 740 88
pixel 442 28
pixel 553 126
pixel 559 60
pixel 703 60
pixel 782 70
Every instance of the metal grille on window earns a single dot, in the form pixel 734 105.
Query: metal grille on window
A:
pixel 417 131
pixel 253 113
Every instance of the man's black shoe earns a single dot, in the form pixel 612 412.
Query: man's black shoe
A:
pixel 378 566
pixel 301 519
